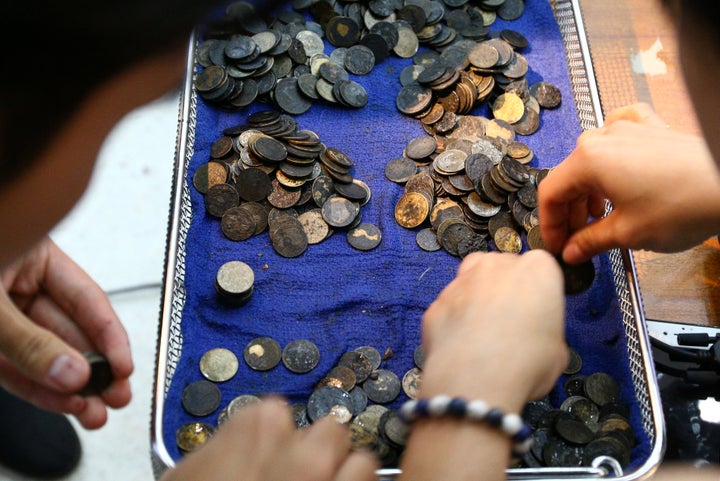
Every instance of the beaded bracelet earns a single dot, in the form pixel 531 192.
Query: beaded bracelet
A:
pixel 477 410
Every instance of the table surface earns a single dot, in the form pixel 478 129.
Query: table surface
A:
pixel 635 56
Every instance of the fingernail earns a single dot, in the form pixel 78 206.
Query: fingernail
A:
pixel 67 372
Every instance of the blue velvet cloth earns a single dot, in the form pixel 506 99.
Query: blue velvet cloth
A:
pixel 341 298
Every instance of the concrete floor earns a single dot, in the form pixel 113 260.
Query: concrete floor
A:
pixel 117 234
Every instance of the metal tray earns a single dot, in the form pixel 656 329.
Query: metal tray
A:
pixel 569 18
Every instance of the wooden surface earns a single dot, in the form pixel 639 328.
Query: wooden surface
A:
pixel 683 287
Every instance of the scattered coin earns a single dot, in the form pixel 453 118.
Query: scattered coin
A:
pixel 372 355
pixel 364 237
pixel 384 388
pixel 192 435
pixel 201 398
pixel 411 383
pixel 262 353
pixel 323 400
pixel 218 364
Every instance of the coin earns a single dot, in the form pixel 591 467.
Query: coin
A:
pixel 372 355
pixel 509 107
pixel 427 240
pixel 411 210
pixel 575 385
pixel 578 277
pixel 234 278
pixel 262 353
pixel 508 240
pixel 394 429
pixel 240 402
pixel 345 375
pixel 384 389
pixel 364 237
pixel 574 363
pixel 201 398
pixel 586 410
pixel 192 435
pixel 218 364
pixel 358 363
pixel 547 94
pixel 411 383
pixel 601 388
pixel 238 223
pixel 315 227
pixel 359 400
pixel 606 446
pixel 101 376
pixel 400 170
pixel 560 453
pixel 300 356
pixel 324 399
pixel 299 412
pixel 220 198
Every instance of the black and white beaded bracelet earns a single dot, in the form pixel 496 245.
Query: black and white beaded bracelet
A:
pixel 476 410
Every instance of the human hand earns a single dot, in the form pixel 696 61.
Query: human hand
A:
pixel 495 333
pixel 50 312
pixel 663 185
pixel 261 443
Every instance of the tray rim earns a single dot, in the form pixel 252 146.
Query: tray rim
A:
pixel 174 264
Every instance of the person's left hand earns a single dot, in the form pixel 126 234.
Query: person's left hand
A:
pixel 50 312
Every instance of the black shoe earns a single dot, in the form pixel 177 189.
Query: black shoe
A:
pixel 36 442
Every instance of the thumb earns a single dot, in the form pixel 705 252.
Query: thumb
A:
pixel 593 239
pixel 39 354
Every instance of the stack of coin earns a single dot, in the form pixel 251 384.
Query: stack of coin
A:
pixel 270 175
pixel 235 283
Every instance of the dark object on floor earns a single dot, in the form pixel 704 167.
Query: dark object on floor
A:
pixel 36 442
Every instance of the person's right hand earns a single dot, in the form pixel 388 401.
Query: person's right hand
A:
pixel 261 443
pixel 663 185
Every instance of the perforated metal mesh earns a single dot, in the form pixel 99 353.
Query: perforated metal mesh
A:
pixel 566 16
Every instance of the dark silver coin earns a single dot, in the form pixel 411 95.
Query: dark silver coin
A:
pixel 262 353
pixel 427 240
pixel 359 60
pixel 358 363
pixel 201 398
pixel 574 364
pixel 289 97
pixel 364 237
pixel 372 355
pixel 300 356
pixel 573 429
pixel 383 386
pixel 359 400
pixel 601 388
pixel 419 356
pixel 323 400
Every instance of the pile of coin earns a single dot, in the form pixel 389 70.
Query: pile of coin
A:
pixel 466 190
pixel 246 56
pixel 270 175
pixel 244 59
pixel 590 422
pixel 439 88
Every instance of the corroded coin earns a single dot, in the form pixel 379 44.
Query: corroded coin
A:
pixel 419 356
pixel 509 107
pixel 574 363
pixel 358 363
pixel 581 407
pixel 508 240
pixel 578 277
pixel 575 385
pixel 299 412
pixel 262 353
pixel 253 184
pixel 534 238
pixel 100 374
pixel 339 212
pixel 201 398
pixel 364 237
pixel 560 453
pixel 220 198
pixel 192 435
pixel 383 386
pixel 394 428
pixel 573 429
pixel 315 227
pixel 359 400
pixel 301 356
pixel 547 94
pixel 606 446
pixel 324 399
pixel 235 278
pixel 420 148
pixel 288 236
pixel 601 388
pixel 400 170
pixel 372 355
pixel 344 375
pixel 411 210
pixel 427 240
pixel 238 223
pixel 411 382
pixel 219 364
